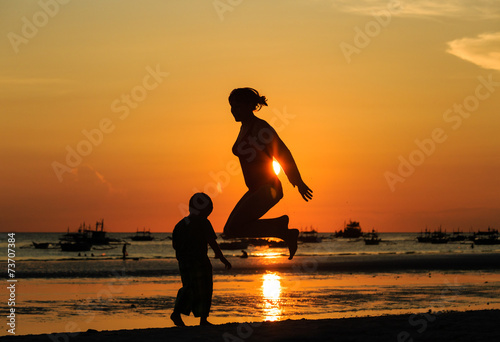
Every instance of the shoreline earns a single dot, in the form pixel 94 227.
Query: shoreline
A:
pixel 439 326
pixel 364 263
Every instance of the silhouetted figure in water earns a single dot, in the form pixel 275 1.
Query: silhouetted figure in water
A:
pixel 189 239
pixel 256 146
pixel 124 251
pixel 244 254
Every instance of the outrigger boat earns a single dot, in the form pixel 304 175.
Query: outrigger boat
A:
pixel 489 237
pixel 309 236
pixel 424 236
pixel 438 236
pixel 144 235
pixel 371 238
pixel 85 238
pixel 351 230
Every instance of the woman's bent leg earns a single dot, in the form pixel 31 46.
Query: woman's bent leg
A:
pixel 244 219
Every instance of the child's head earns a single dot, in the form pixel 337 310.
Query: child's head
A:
pixel 200 204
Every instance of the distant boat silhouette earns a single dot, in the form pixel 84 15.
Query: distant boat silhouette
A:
pixel 489 237
pixel 438 236
pixel 424 236
pixel 144 235
pixel 371 238
pixel 351 230
pixel 85 238
pixel 309 236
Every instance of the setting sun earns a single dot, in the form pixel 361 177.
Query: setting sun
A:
pixel 134 133
pixel 276 167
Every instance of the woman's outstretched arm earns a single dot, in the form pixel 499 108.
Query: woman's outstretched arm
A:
pixel 285 158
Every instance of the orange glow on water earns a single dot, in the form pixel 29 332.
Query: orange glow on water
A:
pixel 271 296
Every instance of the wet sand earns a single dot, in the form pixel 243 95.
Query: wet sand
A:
pixel 57 305
pixel 450 326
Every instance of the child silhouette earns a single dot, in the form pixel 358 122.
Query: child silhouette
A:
pixel 189 239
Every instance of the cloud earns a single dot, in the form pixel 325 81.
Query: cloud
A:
pixel 87 179
pixel 483 50
pixel 463 9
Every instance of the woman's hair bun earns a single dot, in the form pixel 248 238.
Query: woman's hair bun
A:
pixel 248 95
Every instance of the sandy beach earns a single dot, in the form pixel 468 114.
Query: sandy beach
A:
pixel 114 295
pixel 448 326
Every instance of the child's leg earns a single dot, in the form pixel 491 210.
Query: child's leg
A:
pixel 204 321
pixel 202 290
pixel 181 303
pixel 184 300
pixel 177 319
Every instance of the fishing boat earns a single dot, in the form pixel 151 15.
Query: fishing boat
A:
pixel 424 236
pixel 371 238
pixel 457 236
pixel 80 235
pixel 309 236
pixel 489 237
pixel 98 236
pixel 351 230
pixel 438 236
pixel 144 235
pixel 85 238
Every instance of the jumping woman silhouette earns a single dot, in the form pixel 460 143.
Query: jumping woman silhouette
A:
pixel 256 146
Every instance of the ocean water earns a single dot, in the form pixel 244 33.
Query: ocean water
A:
pixel 161 247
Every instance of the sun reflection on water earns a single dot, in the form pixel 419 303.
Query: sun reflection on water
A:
pixel 271 296
pixel 273 254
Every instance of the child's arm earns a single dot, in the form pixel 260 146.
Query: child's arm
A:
pixel 218 253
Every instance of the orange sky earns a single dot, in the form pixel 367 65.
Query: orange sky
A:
pixel 118 110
